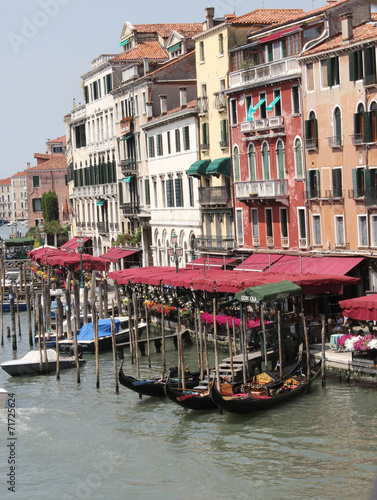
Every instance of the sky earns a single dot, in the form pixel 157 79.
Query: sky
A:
pixel 46 45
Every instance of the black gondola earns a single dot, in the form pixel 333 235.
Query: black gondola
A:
pixel 153 387
pixel 201 399
pixel 249 403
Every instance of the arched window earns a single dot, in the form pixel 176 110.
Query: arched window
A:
pixel 358 124
pixel 280 159
pixel 236 159
pixel 298 158
pixel 337 127
pixel 311 131
pixel 251 155
pixel 373 114
pixel 266 161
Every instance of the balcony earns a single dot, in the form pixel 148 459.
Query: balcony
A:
pixel 357 139
pixel 311 144
pixel 334 193
pixel 103 227
pixel 224 144
pixel 247 127
pixel 369 81
pixel 202 105
pixel 261 124
pixel 335 142
pixel 128 165
pixel 276 122
pixel 204 147
pixel 219 195
pixel 358 193
pixel 213 244
pixel 286 68
pixel 285 242
pixel 220 101
pixel 130 208
pixel 256 191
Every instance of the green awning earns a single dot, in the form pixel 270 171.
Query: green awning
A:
pixel 174 47
pixel 271 292
pixel 125 41
pixel 127 179
pixel 12 242
pixel 198 168
pixel 221 166
pixel 100 203
pixel 126 136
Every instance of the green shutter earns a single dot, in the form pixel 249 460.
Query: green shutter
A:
pixel 284 47
pixel 86 94
pixel 369 61
pixel 335 183
pixel 355 183
pixel 330 72
pixel 370 182
pixel 338 125
pixel 308 129
pixel 315 123
pixel 367 127
pixel 352 60
pixel 120 191
pixel 318 190
pixel 150 143
pixel 147 192
pixel 309 187
pixel 270 52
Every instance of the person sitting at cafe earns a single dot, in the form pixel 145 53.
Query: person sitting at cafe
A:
pixel 340 324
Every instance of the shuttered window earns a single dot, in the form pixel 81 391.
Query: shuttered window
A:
pixel 186 138
pixel 337 183
pixel 236 159
pixel 169 193
pixel 120 192
pixel 224 133
pixel 355 62
pixel 252 170
pixel 178 192
pixel 159 144
pixel 147 192
pixel 317 234
pixel 177 140
pixel 151 147
pixel 266 161
pixel 333 71
pixel 36 181
pixel 339 230
pixel 312 183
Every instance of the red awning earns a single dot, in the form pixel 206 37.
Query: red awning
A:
pixel 115 254
pixel 258 262
pixel 276 36
pixel 72 243
pixel 216 262
pixel 88 261
pixel 361 308
pixel 315 265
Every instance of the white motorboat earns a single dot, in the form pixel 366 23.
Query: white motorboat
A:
pixel 31 364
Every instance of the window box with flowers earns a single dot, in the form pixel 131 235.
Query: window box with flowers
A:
pixel 126 124
pixel 361 346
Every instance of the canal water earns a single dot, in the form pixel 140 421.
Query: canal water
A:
pixel 75 441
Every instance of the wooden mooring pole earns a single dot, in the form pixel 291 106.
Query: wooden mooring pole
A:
pixel 76 350
pixel 163 337
pixel 28 313
pixel 113 338
pixel 136 323
pixel 18 313
pixel 147 330
pixel 13 320
pixel 323 335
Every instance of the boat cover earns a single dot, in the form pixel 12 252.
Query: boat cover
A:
pixel 34 356
pixel 104 329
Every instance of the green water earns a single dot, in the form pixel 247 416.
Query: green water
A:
pixel 78 442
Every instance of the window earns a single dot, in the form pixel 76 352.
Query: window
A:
pixel 151 152
pixel 37 204
pixel 373 121
pixel 355 62
pixel 337 183
pixel 284 222
pixel 311 131
pixel 302 226
pixel 371 186
pixel 80 136
pixel 147 192
pixel 292 45
pixel 266 161
pixel 309 77
pixel 57 149
pixel 373 224
pixel 270 52
pixel 186 138
pixel 169 193
pixel 201 51
pixel 177 140
pixel 368 124
pixel 363 230
pixel 136 105
pixel 144 98
pixel 233 111
pixel 295 100
pixel 277 103
pixel 337 140
pixel 358 124
pixel 251 156
pixel 107 84
pixel 280 159
pixel 221 44
pixel 36 181
pixel 262 107
pixel 169 144
pixel 95 91
pixel 178 192
pixel 312 184
pixel 205 136
pixel 339 231
pixel 191 191
pixel 86 94
pixel 333 71
pixel 317 233
pixel 255 222
pixel 159 144
pixel 224 142
pixel 236 160
pixel 324 78
pixel 269 223
pixel 358 182
pixel 239 225
pixel 370 65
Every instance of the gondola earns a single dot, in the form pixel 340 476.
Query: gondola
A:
pixel 249 402
pixel 200 399
pixel 153 387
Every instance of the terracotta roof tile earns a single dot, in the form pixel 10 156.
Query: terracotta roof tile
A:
pixel 59 139
pixel 20 174
pixel 55 162
pixel 151 50
pixel 5 182
pixel 164 30
pixel 361 33
pixel 171 63
pixel 268 16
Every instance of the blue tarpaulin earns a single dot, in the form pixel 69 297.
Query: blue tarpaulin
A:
pixel 104 329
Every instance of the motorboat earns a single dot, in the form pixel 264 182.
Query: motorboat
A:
pixel 31 364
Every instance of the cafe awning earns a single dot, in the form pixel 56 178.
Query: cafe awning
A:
pixel 271 292
pixel 72 244
pixel 361 308
pixel 258 262
pixel 198 168
pixel 220 166
pixel 115 254
pixel 316 265
pixel 210 262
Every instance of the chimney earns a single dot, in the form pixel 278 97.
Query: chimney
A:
pixel 74 104
pixel 146 66
pixel 28 164
pixel 149 110
pixel 347 32
pixel 182 97
pixel 163 104
pixel 210 14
